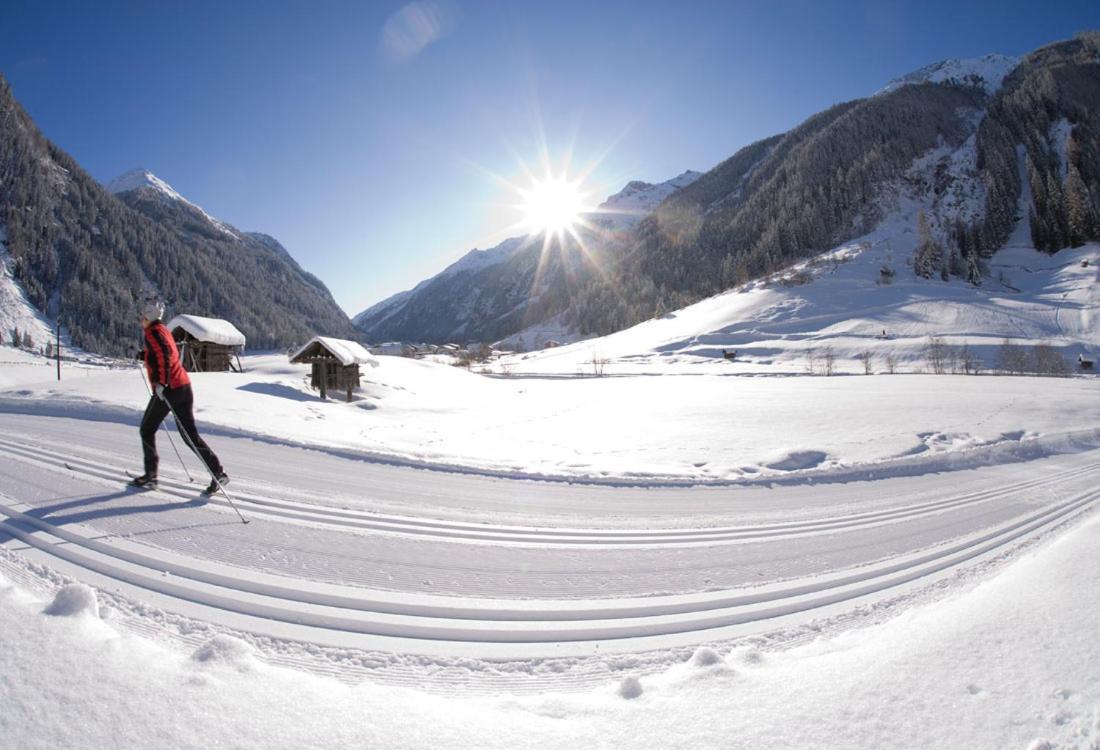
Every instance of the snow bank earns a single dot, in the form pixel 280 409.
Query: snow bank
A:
pixel 630 688
pixel 225 649
pixel 74 600
pixel 705 657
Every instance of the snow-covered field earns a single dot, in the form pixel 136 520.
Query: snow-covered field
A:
pixel 706 560
pixel 670 428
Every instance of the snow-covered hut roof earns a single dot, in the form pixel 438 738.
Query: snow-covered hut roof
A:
pixel 348 352
pixel 213 330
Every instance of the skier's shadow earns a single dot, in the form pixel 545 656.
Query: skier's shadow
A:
pixel 47 512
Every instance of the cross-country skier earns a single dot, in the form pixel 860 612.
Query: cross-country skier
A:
pixel 171 387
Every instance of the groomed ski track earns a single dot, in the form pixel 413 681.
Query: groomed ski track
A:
pixel 353 554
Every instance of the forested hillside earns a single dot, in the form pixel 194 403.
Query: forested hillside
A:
pixel 87 257
pixel 788 198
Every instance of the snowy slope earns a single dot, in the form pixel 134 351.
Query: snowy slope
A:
pixel 16 311
pixel 988 72
pixel 779 324
pixel 839 303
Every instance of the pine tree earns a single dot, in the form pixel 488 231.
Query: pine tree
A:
pixel 1079 219
pixel 1056 210
pixel 928 257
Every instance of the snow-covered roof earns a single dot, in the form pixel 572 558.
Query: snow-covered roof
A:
pixel 213 330
pixel 348 352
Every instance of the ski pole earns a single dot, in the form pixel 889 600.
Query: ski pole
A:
pixel 195 450
pixel 169 434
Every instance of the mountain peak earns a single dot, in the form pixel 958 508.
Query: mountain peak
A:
pixel 143 179
pixel 626 207
pixel 139 178
pixel 988 72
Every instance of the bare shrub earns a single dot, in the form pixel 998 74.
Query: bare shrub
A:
pixel 598 363
pixel 1045 360
pixel 891 363
pixel 1012 358
pixel 828 360
pixel 935 354
pixel 811 362
pixel 867 358
pixel 969 361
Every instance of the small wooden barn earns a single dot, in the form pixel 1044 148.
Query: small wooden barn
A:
pixel 335 364
pixel 207 344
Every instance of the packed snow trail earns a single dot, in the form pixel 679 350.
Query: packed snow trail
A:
pixel 347 553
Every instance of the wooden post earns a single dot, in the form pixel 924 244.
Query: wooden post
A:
pixel 57 348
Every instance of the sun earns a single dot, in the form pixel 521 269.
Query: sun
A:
pixel 552 205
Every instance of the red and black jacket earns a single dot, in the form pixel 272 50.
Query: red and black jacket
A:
pixel 162 358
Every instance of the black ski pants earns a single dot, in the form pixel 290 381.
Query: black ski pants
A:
pixel 183 401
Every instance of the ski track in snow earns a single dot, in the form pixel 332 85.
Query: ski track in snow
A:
pixel 332 588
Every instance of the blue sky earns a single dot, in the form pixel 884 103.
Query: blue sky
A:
pixel 365 137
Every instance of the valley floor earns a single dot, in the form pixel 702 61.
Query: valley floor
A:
pixel 452 560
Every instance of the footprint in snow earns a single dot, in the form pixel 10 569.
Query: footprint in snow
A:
pixel 798 460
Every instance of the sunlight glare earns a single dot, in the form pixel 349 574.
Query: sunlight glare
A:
pixel 552 205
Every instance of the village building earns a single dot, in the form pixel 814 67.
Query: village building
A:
pixel 392 348
pixel 207 344
pixel 335 364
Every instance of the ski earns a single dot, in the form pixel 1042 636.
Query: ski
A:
pixel 148 487
pixel 204 493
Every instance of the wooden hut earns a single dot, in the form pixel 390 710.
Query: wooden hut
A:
pixel 335 364
pixel 207 344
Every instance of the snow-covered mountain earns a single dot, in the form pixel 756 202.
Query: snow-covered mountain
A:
pixel 962 131
pixel 484 295
pixel 148 193
pixel 988 72
pixel 88 257
pixel 637 200
pixel 144 181
pixel 862 303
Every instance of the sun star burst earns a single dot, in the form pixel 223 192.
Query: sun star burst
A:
pixel 553 205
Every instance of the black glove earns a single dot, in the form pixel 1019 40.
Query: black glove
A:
pixel 139 355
